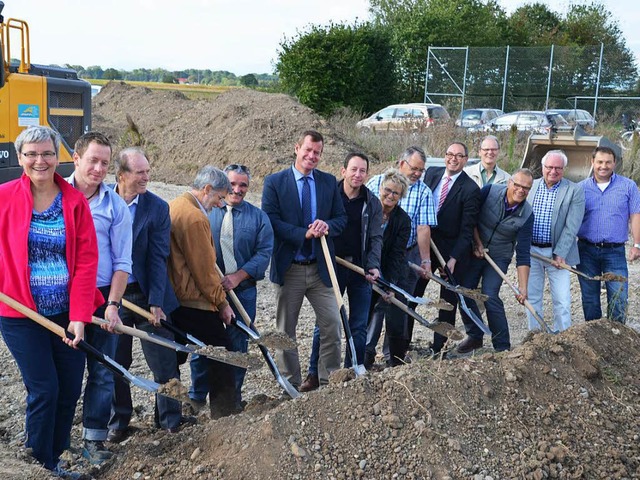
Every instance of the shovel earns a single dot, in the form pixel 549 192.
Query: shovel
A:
pixel 168 390
pixel 358 369
pixel 605 277
pixel 527 304
pixel 219 354
pixel 439 327
pixel 178 347
pixel 381 282
pixel 465 292
pixel 463 304
pixel 245 326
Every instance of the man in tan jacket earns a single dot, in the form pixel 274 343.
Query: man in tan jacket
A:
pixel 204 310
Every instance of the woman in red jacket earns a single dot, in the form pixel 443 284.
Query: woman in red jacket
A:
pixel 49 261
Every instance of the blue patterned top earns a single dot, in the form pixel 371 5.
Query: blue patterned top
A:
pixel 48 260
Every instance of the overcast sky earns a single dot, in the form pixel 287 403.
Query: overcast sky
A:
pixel 241 36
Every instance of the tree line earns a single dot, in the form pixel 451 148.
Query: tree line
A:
pixel 367 65
pixel 203 77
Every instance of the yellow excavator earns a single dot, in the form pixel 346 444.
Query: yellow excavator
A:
pixel 33 94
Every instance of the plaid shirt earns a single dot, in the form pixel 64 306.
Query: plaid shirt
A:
pixel 418 203
pixel 543 211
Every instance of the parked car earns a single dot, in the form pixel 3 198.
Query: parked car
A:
pixel 575 117
pixel 530 120
pixel 477 116
pixel 405 117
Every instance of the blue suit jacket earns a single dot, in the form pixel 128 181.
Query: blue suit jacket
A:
pixel 281 203
pixel 151 230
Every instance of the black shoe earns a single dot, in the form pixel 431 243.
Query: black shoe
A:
pixel 96 452
pixel 66 474
pixel 468 345
pixel 188 420
pixel 117 436
pixel 310 383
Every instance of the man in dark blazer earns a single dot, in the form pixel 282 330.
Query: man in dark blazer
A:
pixel 304 204
pixel 457 199
pixel 149 288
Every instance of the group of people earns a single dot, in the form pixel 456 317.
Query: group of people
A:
pixel 74 248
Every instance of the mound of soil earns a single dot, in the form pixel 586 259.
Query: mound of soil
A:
pixel 558 406
pixel 241 126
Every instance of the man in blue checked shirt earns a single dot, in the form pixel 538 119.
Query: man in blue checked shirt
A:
pixel 558 207
pixel 611 200
pixel 420 206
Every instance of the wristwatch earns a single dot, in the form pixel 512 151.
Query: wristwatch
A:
pixel 118 305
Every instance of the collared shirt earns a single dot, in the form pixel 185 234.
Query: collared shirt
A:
pixel 252 238
pixel 607 213
pixel 314 207
pixel 438 190
pixel 543 210
pixel 113 224
pixel 349 243
pixel 133 206
pixel 418 204
pixel 483 173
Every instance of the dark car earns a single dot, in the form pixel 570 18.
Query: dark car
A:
pixel 575 117
pixel 477 116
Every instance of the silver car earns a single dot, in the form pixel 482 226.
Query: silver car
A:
pixel 529 120
pixel 575 117
pixel 477 116
pixel 405 117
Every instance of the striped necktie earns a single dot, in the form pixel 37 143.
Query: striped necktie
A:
pixel 444 191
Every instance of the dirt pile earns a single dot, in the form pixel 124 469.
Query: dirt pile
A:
pixel 240 126
pixel 563 406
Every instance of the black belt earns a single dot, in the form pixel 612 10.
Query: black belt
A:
pixel 542 245
pixel 602 244
pixel 304 262
pixel 133 287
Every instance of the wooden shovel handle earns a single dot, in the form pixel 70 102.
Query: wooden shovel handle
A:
pixel 331 270
pixel 562 265
pixel 236 301
pixel 35 316
pixel 136 309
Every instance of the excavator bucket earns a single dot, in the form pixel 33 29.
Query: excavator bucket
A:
pixel 575 143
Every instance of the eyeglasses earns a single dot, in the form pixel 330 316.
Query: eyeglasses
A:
pixel 415 169
pixel 517 186
pixel 490 149
pixel 44 155
pixel 388 191
pixel 235 166
pixel 458 156
pixel 557 169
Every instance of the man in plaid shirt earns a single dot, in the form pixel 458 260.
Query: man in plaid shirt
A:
pixel 420 206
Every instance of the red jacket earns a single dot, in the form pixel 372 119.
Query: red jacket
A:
pixel 16 207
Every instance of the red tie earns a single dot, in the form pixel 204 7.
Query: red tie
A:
pixel 444 191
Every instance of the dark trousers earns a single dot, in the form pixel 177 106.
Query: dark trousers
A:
pixel 162 362
pixel 206 326
pixel 52 374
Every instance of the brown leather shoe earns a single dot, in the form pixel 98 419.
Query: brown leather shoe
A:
pixel 468 345
pixel 310 383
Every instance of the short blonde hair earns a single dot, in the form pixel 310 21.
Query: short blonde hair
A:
pixel 393 175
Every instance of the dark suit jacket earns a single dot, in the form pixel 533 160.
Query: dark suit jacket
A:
pixel 281 203
pixel 393 263
pixel 151 230
pixel 459 213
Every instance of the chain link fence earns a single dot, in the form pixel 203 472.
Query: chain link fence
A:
pixel 530 78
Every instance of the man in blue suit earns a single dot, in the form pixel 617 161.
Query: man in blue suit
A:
pixel 149 288
pixel 303 205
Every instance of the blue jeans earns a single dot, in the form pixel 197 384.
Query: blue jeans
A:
pixel 239 342
pixel 496 316
pixel 359 293
pixel 162 363
pixel 52 374
pixel 596 261
pixel 98 392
